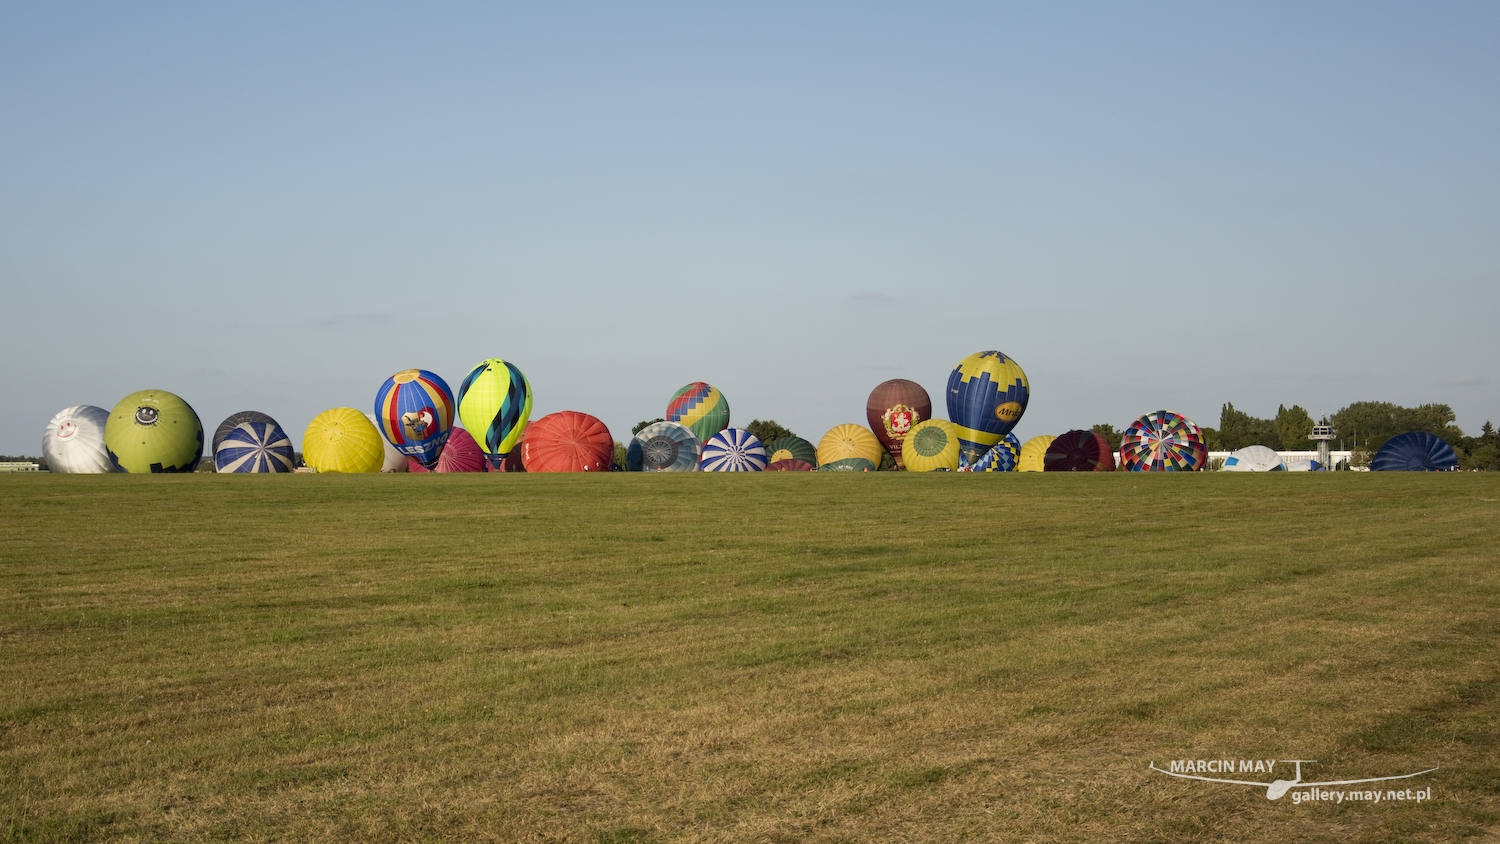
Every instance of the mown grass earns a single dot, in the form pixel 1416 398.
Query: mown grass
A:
pixel 642 658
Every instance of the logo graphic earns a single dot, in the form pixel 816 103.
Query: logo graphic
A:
pixel 146 415
pixel 1008 412
pixel 418 422
pixel 1189 769
pixel 66 429
pixel 899 419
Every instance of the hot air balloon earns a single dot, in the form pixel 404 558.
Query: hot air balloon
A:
pixel 1032 453
pixel 252 442
pixel 567 441
pixel 1303 465
pixel 153 431
pixel 790 464
pixel 701 407
pixel 342 440
pixel 734 450
pixel 1163 441
pixel 893 408
pixel 987 393
pixel 791 448
pixel 394 460
pixel 664 447
pixel 1253 458
pixel 415 409
pixel 73 442
pixel 849 448
pixel 931 446
pixel 1414 451
pixel 461 454
pixel 1079 451
pixel 1001 458
pixel 494 401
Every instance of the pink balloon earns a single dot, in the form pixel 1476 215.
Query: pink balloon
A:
pixel 461 454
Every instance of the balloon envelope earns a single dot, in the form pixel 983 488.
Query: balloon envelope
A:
pixel 342 440
pixel 893 409
pixel 154 431
pixel 73 442
pixel 790 464
pixel 567 441
pixel 1163 441
pixel 849 448
pixel 255 443
pixel 931 445
pixel 987 393
pixel 494 402
pixel 1414 451
pixel 734 450
pixel 1001 458
pixel 1304 464
pixel 1033 453
pixel 1253 458
pixel 1079 451
pixel 664 447
pixel 394 460
pixel 701 407
pixel 791 448
pixel 415 409
pixel 461 454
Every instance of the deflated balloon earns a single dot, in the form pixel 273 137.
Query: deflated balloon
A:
pixel 73 442
pixel 1253 458
pixel 701 407
pixel 734 450
pixel 415 409
pixel 664 447
pixel 1414 451
pixel 1001 458
pixel 790 464
pixel 567 441
pixel 931 446
pixel 252 442
pixel 153 431
pixel 893 409
pixel 1032 453
pixel 791 448
pixel 849 448
pixel 1163 441
pixel 1079 451
pixel 461 454
pixel 987 393
pixel 494 402
pixel 342 440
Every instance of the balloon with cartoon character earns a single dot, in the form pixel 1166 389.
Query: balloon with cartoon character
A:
pixel 415 409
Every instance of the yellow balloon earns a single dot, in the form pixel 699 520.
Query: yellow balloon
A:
pixel 852 443
pixel 931 445
pixel 1032 453
pixel 343 440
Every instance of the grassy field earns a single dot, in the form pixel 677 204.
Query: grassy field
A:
pixel 780 657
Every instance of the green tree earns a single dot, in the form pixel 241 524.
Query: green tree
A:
pixel 641 426
pixel 1238 429
pixel 767 430
pixel 619 461
pixel 1109 433
pixel 1374 422
pixel 1293 427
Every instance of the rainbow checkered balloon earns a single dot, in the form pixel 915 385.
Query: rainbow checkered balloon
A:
pixel 1164 441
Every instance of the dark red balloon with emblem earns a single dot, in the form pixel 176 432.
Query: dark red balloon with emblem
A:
pixel 893 409
pixel 567 441
pixel 1079 451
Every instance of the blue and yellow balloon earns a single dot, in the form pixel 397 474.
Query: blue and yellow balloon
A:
pixel 415 409
pixel 987 393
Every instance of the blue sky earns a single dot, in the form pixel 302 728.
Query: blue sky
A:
pixel 1148 206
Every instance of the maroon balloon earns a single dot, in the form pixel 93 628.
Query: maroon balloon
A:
pixel 461 454
pixel 1079 451
pixel 791 464
pixel 893 409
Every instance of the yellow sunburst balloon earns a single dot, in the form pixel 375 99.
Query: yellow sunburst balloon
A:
pixel 343 440
pixel 930 446
pixel 1032 452
pixel 849 448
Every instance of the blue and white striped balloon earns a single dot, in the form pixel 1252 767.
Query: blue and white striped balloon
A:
pixel 255 446
pixel 734 450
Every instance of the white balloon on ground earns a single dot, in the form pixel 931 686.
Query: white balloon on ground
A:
pixel 73 443
pixel 394 461
pixel 1253 458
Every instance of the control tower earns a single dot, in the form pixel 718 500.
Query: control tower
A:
pixel 1322 434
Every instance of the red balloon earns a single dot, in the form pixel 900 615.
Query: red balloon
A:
pixel 1079 451
pixel 461 454
pixel 567 441
pixel 791 464
pixel 893 409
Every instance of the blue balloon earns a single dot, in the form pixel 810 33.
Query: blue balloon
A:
pixel 1414 451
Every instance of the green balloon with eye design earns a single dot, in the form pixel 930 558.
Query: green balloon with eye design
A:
pixel 153 431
